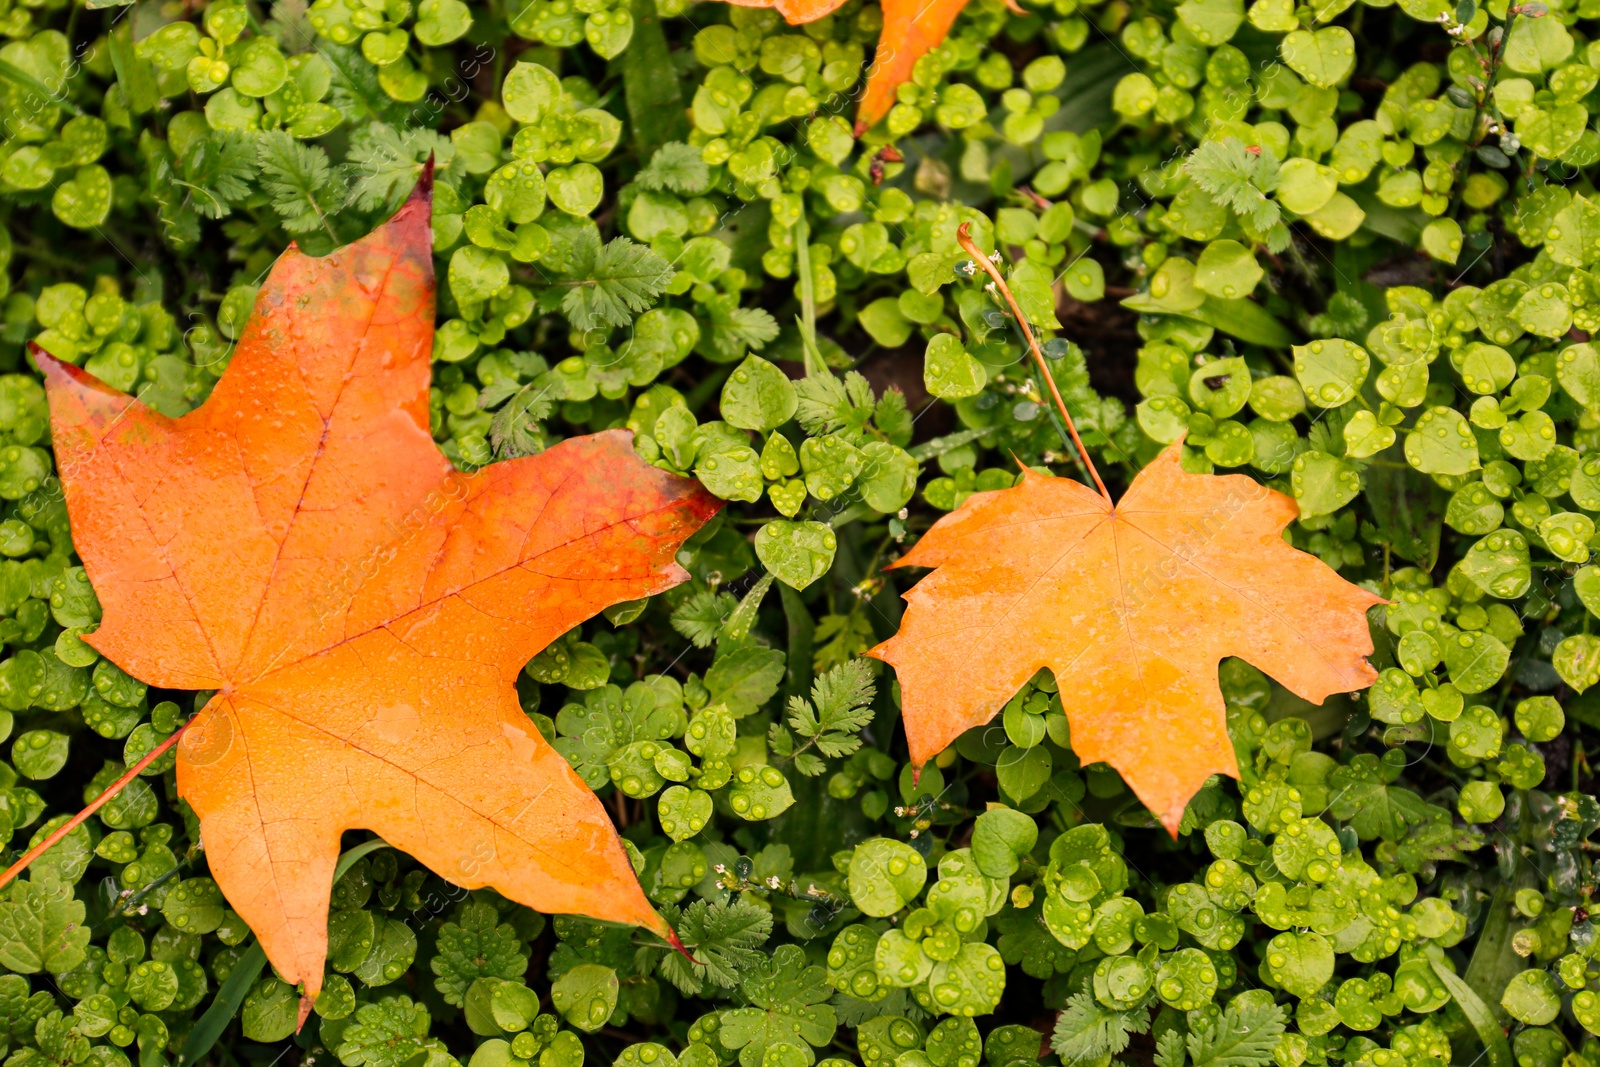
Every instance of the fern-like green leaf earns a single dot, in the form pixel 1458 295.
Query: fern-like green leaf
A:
pixel 1170 1051
pixel 303 186
pixel 624 279
pixel 701 615
pixel 736 330
pixel 217 170
pixel 514 430
pixel 1238 177
pixel 1245 1036
pixel 1085 1031
pixel 677 167
pixel 724 938
pixel 384 163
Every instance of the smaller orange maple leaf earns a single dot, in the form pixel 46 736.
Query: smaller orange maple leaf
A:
pixel 1132 607
pixel 300 545
pixel 911 29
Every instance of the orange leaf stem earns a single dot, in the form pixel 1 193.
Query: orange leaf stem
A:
pixel 964 238
pixel 93 806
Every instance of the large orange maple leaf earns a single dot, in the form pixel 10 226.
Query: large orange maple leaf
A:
pixel 1132 607
pixel 299 545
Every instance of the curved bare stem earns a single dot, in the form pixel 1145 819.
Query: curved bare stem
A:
pixel 964 238
pixel 93 806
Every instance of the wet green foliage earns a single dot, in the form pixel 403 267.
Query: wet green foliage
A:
pixel 1346 249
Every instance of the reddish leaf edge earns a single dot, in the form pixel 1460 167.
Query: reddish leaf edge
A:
pixel 677 944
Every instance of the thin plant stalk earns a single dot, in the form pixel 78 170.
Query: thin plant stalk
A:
pixel 93 806
pixel 808 296
pixel 964 238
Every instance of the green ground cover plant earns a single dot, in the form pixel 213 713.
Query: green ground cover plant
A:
pixel 1348 249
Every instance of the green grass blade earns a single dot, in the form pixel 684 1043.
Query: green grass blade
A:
pixel 1478 1014
pixel 225 1006
pixel 244 974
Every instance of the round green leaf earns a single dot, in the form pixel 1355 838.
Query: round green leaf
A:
pixel 1567 534
pixel 1022 772
pixel 1331 372
pixel 477 274
pixel 1475 660
pixel 970 984
pixel 1364 436
pixel 1277 399
pixel 852 966
pixel 1301 963
pixel 576 189
pixel 270 1011
pixel 259 68
pixel 899 960
pixel 440 22
pixel 1540 718
pixel 1221 387
pixel 85 200
pixel 759 792
pixel 1577 661
pixel 530 92
pixel 1532 997
pixel 949 371
pixel 27 168
pixel 1323 484
pixel 1000 838
pixel 1322 57
pixel 885 876
pixel 1305 186
pixel 39 754
pixel 888 476
pixel 1442 239
pixel 758 396
pixel 1085 280
pixel 1481 802
pixel 1544 310
pixel 609 31
pixel 1442 442
pixel 1498 564
pixel 1476 735
pixel 731 473
pixel 683 812
pixel 1578 371
pixel 797 553
pixel 1187 979
pixel 885 323
pixel 586 995
pixel 1531 436
pixel 1227 270
pixel 517 191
